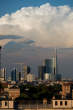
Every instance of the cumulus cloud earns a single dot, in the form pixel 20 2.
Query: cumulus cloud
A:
pixel 47 26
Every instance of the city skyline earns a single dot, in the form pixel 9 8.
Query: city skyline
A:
pixel 30 30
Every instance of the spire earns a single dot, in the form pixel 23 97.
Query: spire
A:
pixel 56 61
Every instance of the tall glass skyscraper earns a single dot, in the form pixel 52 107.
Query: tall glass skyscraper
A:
pixel 13 75
pixel 25 70
pixel 41 71
pixel 48 68
pixel 50 65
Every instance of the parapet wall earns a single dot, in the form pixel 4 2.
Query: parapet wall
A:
pixel 47 109
pixel 37 109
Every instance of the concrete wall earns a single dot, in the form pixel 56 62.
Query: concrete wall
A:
pixel 9 104
pixel 47 109
pixel 14 93
pixel 69 104
pixel 37 109
pixel 3 104
pixel 6 109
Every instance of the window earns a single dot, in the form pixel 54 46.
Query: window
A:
pixel 61 103
pixel 6 103
pixel 65 102
pixel 56 103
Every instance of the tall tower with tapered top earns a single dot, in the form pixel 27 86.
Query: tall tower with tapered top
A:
pixel 56 62
pixel 58 76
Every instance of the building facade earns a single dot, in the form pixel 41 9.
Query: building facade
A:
pixel 13 75
pixel 62 104
pixel 14 93
pixel 48 69
pixel 41 71
pixel 30 77
pixel 50 65
pixel 67 90
pixel 25 71
pixel 6 104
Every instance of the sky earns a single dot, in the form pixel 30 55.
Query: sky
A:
pixel 9 6
pixel 30 30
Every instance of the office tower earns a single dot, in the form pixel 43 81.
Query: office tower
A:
pixel 25 71
pixel 3 74
pixel 54 67
pixel 57 75
pixel 19 76
pixel 56 59
pixel 41 71
pixel 30 77
pixel 50 65
pixel 47 76
pixel 13 75
pixel 48 70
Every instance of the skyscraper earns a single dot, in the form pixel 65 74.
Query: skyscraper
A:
pixel 19 76
pixel 3 74
pixel 57 75
pixel 25 71
pixel 13 75
pixel 50 65
pixel 41 71
pixel 48 69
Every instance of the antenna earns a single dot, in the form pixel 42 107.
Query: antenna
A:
pixel 56 56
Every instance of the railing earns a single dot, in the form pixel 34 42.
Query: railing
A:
pixel 34 106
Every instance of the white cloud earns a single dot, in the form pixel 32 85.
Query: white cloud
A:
pixel 47 25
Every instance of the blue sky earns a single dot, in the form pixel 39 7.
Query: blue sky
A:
pixel 9 6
